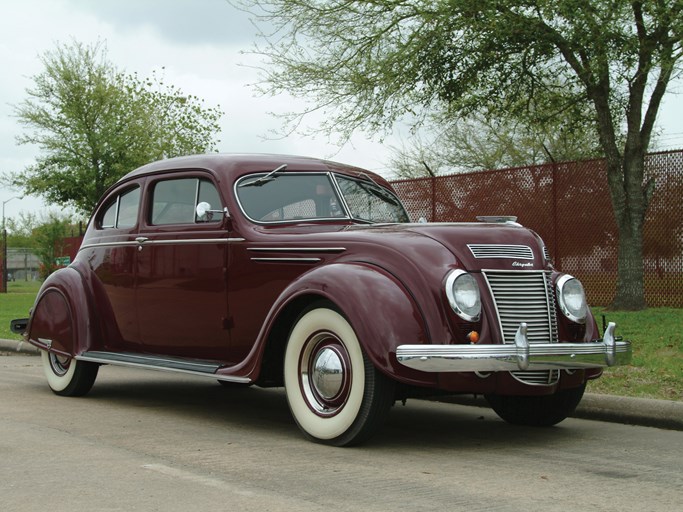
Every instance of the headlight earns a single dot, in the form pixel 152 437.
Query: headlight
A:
pixel 572 299
pixel 462 291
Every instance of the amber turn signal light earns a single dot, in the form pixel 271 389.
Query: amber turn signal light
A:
pixel 473 337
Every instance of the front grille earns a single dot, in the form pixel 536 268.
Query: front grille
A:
pixel 499 251
pixel 525 296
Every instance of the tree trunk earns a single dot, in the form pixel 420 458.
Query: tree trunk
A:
pixel 630 198
pixel 630 294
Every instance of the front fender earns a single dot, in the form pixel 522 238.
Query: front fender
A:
pixel 60 318
pixel 381 310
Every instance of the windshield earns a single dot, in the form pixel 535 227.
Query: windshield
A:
pixel 289 197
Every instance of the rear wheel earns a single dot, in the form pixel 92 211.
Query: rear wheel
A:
pixel 67 376
pixel 335 393
pixel 537 411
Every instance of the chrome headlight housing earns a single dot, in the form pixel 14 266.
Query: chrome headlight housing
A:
pixel 462 291
pixel 572 299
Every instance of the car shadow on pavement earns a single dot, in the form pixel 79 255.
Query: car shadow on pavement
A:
pixel 265 412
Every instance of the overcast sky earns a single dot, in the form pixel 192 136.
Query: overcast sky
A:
pixel 198 42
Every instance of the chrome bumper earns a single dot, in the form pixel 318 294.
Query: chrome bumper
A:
pixel 521 355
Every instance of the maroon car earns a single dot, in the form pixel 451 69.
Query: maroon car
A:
pixel 280 270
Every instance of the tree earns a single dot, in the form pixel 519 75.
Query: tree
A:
pixel 44 235
pixel 367 64
pixel 93 124
pixel 477 144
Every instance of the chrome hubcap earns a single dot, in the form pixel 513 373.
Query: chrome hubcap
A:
pixel 328 373
pixel 60 364
pixel 325 373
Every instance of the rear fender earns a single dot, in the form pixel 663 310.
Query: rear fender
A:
pixel 60 319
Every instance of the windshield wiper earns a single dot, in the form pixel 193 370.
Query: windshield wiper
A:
pixel 265 179
pixel 367 177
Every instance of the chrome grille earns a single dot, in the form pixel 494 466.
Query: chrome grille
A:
pixel 538 377
pixel 498 251
pixel 525 296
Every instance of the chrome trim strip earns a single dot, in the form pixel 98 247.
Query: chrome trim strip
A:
pixel 192 241
pixel 110 244
pixel 521 356
pixel 182 241
pixel 297 249
pixel 129 364
pixel 287 260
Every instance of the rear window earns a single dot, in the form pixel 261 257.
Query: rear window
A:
pixel 121 211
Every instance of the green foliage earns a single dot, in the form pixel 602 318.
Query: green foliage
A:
pixel 20 230
pixel 44 235
pixel 477 144
pixel 49 242
pixel 93 124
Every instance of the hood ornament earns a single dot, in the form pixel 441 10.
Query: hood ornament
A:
pixel 499 219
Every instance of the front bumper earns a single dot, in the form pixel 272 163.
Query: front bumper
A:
pixel 521 355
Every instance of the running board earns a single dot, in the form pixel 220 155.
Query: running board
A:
pixel 166 364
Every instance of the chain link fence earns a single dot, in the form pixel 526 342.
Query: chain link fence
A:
pixel 568 204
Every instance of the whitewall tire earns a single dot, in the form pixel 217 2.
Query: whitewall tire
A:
pixel 67 376
pixel 334 392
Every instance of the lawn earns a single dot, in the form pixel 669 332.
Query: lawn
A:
pixel 657 367
pixel 16 303
pixel 656 370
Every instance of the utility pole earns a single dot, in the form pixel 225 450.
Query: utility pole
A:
pixel 3 289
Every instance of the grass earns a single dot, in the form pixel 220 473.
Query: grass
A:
pixel 657 367
pixel 656 370
pixel 16 303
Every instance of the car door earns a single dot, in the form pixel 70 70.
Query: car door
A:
pixel 181 269
pixel 111 254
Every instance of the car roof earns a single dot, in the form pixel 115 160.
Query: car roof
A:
pixel 233 165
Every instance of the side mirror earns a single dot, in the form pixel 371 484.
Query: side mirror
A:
pixel 205 213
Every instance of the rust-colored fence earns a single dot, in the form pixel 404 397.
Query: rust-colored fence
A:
pixel 568 204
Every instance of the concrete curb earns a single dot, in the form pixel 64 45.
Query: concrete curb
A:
pixel 18 346
pixel 665 414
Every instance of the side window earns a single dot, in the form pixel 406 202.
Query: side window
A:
pixel 109 216
pixel 175 201
pixel 208 194
pixel 121 211
pixel 128 209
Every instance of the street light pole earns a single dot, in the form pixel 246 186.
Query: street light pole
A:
pixel 4 246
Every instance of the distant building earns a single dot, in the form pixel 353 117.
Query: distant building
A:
pixel 22 264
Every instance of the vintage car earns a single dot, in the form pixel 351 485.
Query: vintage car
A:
pixel 280 270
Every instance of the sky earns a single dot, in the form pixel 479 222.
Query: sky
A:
pixel 201 45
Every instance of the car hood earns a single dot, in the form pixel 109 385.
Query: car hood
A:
pixel 477 245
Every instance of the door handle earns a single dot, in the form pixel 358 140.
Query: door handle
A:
pixel 141 239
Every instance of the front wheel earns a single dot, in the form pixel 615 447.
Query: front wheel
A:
pixel 537 411
pixel 66 376
pixel 335 393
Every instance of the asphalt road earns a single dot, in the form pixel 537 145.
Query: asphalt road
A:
pixel 153 441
